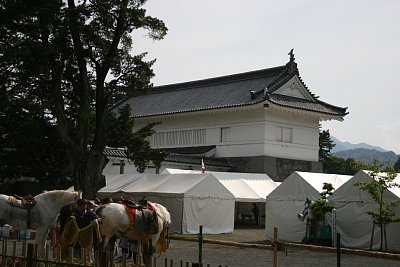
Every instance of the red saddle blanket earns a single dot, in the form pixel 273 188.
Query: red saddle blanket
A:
pixel 143 218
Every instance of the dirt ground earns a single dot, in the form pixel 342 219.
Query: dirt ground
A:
pixel 222 255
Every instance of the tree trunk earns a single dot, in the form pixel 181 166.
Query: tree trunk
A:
pixel 87 175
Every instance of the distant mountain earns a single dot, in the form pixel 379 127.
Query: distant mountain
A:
pixel 340 146
pixel 362 151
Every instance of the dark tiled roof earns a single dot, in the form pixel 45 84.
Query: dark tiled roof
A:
pixel 303 104
pixel 194 150
pixel 226 91
pixel 180 158
pixel 217 162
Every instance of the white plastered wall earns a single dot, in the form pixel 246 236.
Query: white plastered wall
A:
pixel 252 131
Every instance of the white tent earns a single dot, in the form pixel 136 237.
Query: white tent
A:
pixel 192 200
pixel 246 187
pixel 116 182
pixel 287 201
pixel 352 220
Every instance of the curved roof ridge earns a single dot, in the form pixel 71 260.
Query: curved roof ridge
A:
pixel 231 78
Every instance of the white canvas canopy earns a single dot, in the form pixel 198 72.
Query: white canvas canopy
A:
pixel 287 201
pixel 352 220
pixel 192 200
pixel 246 187
pixel 117 182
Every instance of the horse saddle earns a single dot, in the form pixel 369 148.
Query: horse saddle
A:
pixel 26 202
pixel 143 215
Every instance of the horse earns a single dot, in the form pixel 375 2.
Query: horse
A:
pixel 40 216
pixel 115 220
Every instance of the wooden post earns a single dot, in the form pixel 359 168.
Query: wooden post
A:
pixel 14 252
pixel 338 250
pixel 200 244
pixel 4 247
pixel 4 252
pixel 96 258
pixel 372 235
pixel 24 253
pixel 58 253
pixel 71 255
pixel 47 255
pixel 275 246
pixel 84 254
pixel 123 263
pixel 29 255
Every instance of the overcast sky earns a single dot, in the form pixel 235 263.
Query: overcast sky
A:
pixel 347 52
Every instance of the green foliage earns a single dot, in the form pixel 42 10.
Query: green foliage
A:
pixel 333 164
pixel 325 145
pixel 321 206
pixel 383 178
pixel 330 163
pixel 72 60
pixel 396 166
pixel 137 146
pixel 29 143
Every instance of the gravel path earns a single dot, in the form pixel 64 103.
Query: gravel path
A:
pixel 231 256
pixel 222 255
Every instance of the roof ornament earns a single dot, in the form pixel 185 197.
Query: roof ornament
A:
pixel 252 94
pixel 265 91
pixel 291 65
pixel 291 54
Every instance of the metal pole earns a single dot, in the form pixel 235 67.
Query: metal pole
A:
pixel 338 249
pixel 200 243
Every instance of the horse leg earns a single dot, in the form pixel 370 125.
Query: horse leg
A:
pixel 148 252
pixel 139 253
pixel 40 240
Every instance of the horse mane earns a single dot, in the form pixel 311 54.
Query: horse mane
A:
pixel 54 192
pixel 55 195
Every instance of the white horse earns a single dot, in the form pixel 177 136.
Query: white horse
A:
pixel 42 215
pixel 116 221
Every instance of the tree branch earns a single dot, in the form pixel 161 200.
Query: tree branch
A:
pixel 83 91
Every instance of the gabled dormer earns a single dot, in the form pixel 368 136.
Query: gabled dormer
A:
pixel 295 88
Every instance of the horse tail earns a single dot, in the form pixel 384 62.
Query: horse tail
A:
pixel 162 244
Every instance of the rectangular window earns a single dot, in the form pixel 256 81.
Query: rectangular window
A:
pixel 287 135
pixel 225 134
pixel 284 134
pixel 178 138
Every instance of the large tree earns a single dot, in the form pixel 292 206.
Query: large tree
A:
pixel 73 58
